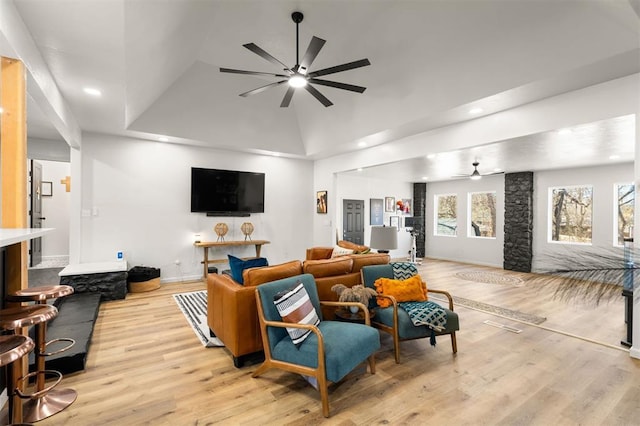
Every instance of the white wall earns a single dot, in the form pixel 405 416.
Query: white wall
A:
pixel 56 210
pixel 136 199
pixel 602 179
pixel 357 188
pixel 482 251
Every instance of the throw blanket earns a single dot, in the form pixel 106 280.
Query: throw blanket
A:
pixel 426 313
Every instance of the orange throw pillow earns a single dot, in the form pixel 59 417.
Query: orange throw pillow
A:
pixel 409 290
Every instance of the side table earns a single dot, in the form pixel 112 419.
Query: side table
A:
pixel 344 314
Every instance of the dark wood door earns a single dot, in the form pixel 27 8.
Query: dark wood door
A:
pixel 353 221
pixel 36 212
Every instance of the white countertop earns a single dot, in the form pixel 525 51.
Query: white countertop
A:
pixel 9 236
pixel 94 268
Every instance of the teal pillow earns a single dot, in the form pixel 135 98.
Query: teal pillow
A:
pixel 238 265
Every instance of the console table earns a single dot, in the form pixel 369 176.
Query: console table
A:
pixel 207 245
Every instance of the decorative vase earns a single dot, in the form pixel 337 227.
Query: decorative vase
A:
pixel 354 309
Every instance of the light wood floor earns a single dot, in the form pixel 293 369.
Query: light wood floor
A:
pixel 145 366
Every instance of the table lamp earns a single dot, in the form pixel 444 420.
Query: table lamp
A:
pixel 384 238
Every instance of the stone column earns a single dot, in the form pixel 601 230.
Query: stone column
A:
pixel 518 221
pixel 419 207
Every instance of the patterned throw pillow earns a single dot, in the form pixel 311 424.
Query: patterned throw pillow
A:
pixel 409 290
pixel 340 251
pixel 294 306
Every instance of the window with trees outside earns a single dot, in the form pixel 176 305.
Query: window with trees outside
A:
pixel 446 218
pixel 482 213
pixel 624 206
pixel 571 214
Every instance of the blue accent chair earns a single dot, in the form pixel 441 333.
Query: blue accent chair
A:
pixel 395 321
pixel 328 354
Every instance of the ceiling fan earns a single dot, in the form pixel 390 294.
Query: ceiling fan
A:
pixel 476 174
pixel 299 76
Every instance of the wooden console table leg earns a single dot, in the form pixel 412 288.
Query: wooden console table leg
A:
pixel 258 248
pixel 206 262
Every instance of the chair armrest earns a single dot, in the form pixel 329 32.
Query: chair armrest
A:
pixel 362 307
pixel 446 293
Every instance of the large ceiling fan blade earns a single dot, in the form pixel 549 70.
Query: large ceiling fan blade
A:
pixel 319 96
pixel 262 89
pixel 270 74
pixel 340 68
pixel 287 97
pixel 337 85
pixel 310 55
pixel 258 51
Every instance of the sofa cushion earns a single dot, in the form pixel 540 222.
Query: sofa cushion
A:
pixel 295 307
pixel 360 260
pixel 409 290
pixel 238 265
pixel 257 276
pixel 327 268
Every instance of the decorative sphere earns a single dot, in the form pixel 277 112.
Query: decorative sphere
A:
pixel 246 228
pixel 221 229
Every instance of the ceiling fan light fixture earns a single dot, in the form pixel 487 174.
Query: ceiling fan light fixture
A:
pixel 297 81
pixel 475 176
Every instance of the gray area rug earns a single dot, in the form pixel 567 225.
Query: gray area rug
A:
pixel 495 310
pixel 194 307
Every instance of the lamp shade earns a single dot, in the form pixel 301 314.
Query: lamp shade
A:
pixel 384 238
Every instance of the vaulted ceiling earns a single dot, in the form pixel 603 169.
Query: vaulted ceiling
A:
pixel 157 64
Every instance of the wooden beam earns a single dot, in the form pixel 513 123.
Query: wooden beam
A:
pixel 13 166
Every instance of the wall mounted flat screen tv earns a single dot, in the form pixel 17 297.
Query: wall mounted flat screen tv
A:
pixel 226 192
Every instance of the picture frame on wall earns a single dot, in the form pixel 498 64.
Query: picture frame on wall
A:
pixel 376 215
pixel 321 202
pixel 389 204
pixel 46 189
pixel 395 221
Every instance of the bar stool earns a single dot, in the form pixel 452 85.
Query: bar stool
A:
pixel 12 348
pixel 13 319
pixel 46 401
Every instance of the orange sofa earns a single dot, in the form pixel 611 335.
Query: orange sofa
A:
pixel 231 311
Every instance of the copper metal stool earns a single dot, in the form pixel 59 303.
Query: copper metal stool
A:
pixel 46 401
pixel 12 348
pixel 13 319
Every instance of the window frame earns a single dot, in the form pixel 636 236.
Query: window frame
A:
pixel 616 189
pixel 470 215
pixel 436 209
pixel 550 215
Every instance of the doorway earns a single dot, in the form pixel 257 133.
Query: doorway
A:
pixel 353 221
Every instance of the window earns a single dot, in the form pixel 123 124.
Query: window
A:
pixel 482 212
pixel 570 214
pixel 446 218
pixel 623 218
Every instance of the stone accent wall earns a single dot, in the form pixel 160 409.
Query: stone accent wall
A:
pixel 419 209
pixel 111 285
pixel 518 221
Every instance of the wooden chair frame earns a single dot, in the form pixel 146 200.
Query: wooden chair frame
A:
pixel 320 372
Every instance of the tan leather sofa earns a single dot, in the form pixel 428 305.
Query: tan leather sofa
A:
pixel 232 314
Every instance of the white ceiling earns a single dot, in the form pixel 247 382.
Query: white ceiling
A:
pixel 157 63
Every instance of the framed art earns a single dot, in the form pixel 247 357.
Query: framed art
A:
pixel 395 221
pixel 389 204
pixel 375 211
pixel 321 202
pixel 46 189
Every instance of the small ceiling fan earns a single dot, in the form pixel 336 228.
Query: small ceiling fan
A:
pixel 476 174
pixel 299 76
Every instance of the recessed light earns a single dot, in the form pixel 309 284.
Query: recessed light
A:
pixel 431 156
pixel 425 177
pixel 276 154
pixel 497 170
pixel 92 91
pixel 565 131
pixel 614 157
pixel 362 143
pixel 163 139
pixel 476 110
pixel 359 169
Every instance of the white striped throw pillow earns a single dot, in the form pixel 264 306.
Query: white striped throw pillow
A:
pixel 294 306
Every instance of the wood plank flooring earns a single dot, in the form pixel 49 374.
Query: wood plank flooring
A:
pixel 146 366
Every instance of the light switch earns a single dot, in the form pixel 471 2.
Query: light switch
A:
pixel 86 213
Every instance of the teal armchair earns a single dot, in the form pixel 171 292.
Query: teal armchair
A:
pixel 329 353
pixel 395 320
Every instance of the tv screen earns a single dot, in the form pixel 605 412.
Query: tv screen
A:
pixel 226 191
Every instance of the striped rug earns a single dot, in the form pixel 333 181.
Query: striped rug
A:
pixel 194 307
